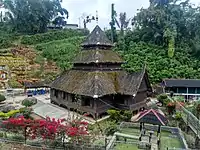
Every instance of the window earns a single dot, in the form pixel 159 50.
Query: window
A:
pixel 73 98
pixel 191 90
pixel 64 95
pixel 56 93
pixel 182 90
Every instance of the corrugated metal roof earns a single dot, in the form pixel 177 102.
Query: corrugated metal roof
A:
pixel 182 83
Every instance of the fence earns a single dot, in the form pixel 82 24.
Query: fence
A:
pixel 173 130
pixel 11 137
pixel 188 118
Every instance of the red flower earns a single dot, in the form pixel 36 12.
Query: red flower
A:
pixel 84 123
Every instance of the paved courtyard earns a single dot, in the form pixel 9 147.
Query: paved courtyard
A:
pixel 44 108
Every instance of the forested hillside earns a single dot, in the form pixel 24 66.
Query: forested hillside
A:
pixel 166 36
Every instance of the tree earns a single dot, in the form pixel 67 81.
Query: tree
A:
pixel 33 16
pixel 159 2
pixel 169 23
pixel 59 21
pixel 123 22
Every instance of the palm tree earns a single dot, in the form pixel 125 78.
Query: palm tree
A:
pixel 123 22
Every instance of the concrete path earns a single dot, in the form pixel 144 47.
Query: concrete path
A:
pixel 44 108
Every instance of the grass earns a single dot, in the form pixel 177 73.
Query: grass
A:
pixel 170 140
pixel 167 139
pixel 120 146
pixel 130 131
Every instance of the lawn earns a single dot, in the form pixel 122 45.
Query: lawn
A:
pixel 121 146
pixel 167 139
pixel 130 131
pixel 170 140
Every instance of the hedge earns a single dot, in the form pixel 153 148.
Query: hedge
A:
pixel 51 36
pixel 8 114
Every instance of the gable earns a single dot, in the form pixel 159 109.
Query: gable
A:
pixel 145 84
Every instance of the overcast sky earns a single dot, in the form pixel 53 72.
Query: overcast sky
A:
pixel 77 8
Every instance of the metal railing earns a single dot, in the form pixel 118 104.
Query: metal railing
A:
pixel 192 121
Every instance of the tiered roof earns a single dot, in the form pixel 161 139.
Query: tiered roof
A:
pixel 97 37
pixel 97 83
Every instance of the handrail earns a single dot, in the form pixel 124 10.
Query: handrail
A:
pixel 188 118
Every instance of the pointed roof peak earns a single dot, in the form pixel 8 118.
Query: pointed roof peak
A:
pixel 97 37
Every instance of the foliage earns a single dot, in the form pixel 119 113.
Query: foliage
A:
pixel 62 51
pixel 122 23
pixel 111 129
pixel 8 114
pixel 5 42
pixel 26 112
pixel 48 128
pixel 114 114
pixel 109 35
pixel 27 103
pixel 14 84
pixel 160 23
pixel 178 116
pixel 2 98
pixel 197 110
pixel 166 38
pixel 159 65
pixel 50 36
pixel 120 115
pixel 6 37
pixel 171 107
pixel 163 98
pixel 179 98
pixel 28 16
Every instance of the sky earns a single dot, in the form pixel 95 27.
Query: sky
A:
pixel 79 8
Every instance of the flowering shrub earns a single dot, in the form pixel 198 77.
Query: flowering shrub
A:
pixel 47 128
pixel 171 107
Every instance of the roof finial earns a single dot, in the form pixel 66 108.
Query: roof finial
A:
pixel 97 18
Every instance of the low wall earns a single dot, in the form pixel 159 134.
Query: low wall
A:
pixel 175 130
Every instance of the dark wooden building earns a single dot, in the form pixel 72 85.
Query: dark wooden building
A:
pixel 97 82
pixel 188 88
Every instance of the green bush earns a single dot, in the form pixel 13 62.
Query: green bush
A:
pixel 178 116
pixel 2 98
pixel 1 134
pixel 8 114
pixel 114 114
pixel 120 115
pixel 126 116
pixel 27 103
pixel 14 84
pixel 111 129
pixel 163 98
pixel 50 36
